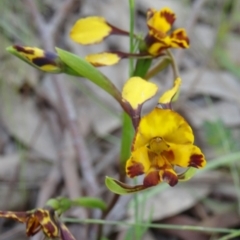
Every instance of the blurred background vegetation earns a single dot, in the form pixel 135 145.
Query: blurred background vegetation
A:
pixel 38 155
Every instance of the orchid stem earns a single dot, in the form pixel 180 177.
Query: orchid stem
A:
pixel 173 64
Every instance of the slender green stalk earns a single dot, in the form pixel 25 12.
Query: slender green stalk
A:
pixel 131 31
pixel 174 64
pixel 154 225
pixel 127 128
pixel 163 63
pixel 230 236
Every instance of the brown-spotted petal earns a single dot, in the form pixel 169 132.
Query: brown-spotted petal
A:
pixel 152 178
pixel 38 58
pixel 17 216
pixel 179 39
pixel 160 21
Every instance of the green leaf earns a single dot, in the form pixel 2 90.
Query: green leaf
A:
pixel 187 175
pixel 90 202
pixel 85 69
pixel 121 188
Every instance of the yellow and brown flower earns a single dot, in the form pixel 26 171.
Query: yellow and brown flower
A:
pixel 159 24
pixel 91 30
pixel 43 220
pixel 162 141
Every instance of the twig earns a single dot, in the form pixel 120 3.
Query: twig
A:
pixel 60 15
pixel 78 142
pixel 69 113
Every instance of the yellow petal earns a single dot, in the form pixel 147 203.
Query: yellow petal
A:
pixel 160 20
pixel 169 175
pixel 163 123
pixel 138 163
pixel 179 39
pixel 43 60
pixel 185 155
pixel 136 91
pixel 168 95
pixel 103 59
pixel 156 48
pixel 90 30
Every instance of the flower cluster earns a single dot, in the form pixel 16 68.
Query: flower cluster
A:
pixel 93 30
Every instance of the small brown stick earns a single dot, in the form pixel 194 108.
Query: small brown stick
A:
pixel 47 35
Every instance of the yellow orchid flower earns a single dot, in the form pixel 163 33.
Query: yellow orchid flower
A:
pixel 162 141
pixel 159 24
pixel 40 220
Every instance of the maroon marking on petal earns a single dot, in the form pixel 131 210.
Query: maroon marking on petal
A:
pixel 49 229
pixel 170 17
pixel 152 179
pixel 169 155
pixel 170 178
pixel 32 226
pixel 180 36
pixel 41 61
pixel 196 160
pixel 135 170
pixel 22 49
pixel 180 44
pixel 150 39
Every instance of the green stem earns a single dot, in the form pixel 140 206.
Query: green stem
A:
pixel 173 64
pixel 230 236
pixel 163 63
pixel 131 31
pixel 153 225
pixel 127 128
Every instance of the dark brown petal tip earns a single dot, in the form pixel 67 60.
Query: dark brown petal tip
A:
pixel 135 169
pixel 151 179
pixel 169 16
pixel 197 161
pixel 170 178
pixel 24 50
